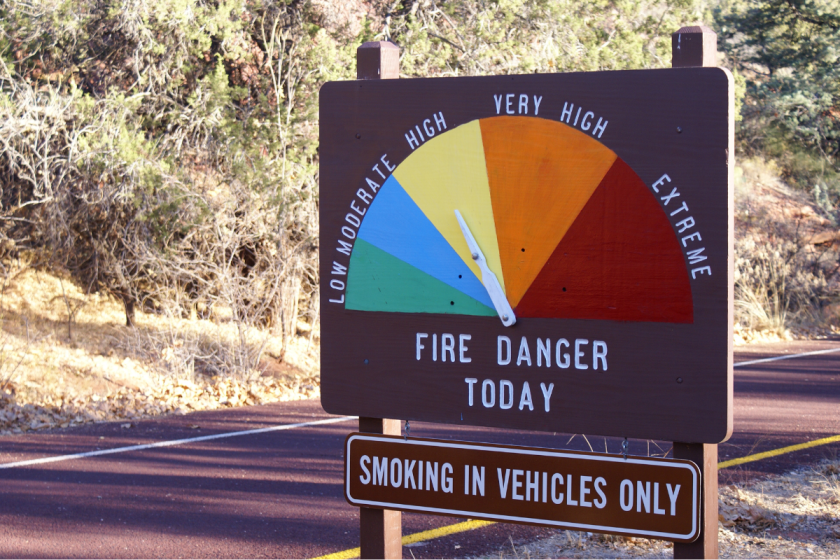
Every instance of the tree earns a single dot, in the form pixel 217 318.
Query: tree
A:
pixel 788 51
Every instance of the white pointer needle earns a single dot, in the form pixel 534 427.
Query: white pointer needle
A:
pixel 491 283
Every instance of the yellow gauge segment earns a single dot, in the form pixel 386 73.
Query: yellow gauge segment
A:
pixel 449 173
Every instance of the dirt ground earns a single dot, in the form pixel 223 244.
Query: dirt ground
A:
pixel 788 516
pixel 67 358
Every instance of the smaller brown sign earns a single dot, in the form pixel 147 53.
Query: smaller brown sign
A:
pixel 605 493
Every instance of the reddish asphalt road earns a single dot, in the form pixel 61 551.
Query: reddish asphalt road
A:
pixel 278 494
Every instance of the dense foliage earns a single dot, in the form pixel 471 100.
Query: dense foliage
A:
pixel 789 51
pixel 166 151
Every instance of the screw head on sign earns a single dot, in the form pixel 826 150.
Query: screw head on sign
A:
pixel 475 256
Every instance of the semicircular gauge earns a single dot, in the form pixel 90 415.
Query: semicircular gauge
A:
pixel 567 227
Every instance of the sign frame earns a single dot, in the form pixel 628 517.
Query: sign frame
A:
pixel 487 449
pixel 664 381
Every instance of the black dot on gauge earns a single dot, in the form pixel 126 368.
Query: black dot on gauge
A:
pixel 523 249
pixel 451 303
pixel 564 289
pixel 459 276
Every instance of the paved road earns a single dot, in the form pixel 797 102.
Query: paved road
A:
pixel 278 493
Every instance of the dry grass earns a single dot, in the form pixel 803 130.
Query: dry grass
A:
pixel 789 516
pixel 786 260
pixel 67 358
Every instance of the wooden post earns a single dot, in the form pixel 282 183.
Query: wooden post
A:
pixel 380 530
pixel 692 47
pixel 705 456
pixel 378 60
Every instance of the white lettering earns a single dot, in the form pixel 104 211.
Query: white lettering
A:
pixel 660 181
pixel 503 340
pixel 566 115
pixel 695 235
pixel 672 495
pixel 524 352
pixel 685 224
pixel 428 128
pixel 544 351
pixel 523 104
pixel 525 399
pixel 680 209
pixel 516 484
pixel 488 401
pixel 380 471
pixel 470 381
pixel 642 496
pixel 579 353
pixel 409 474
pixel 387 163
pixel 420 346
pixel 546 391
pixel 600 128
pixel 584 491
pixel 695 256
pixel 396 479
pixel 446 480
pixel 584 124
pixel 532 487
pixel 462 348
pixel 602 500
pixel 569 499
pixel 556 497
pixel 447 344
pixel 695 271
pixel 599 352
pixel 477 481
pixel 365 479
pixel 345 247
pixel 563 360
pixel 537 101
pixel 431 475
pixel 503 482
pixel 656 509
pixel 505 404
pixel 626 495
pixel 667 198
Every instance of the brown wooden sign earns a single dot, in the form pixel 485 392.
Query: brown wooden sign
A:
pixel 634 496
pixel 545 252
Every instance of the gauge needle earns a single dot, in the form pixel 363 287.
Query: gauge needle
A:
pixel 491 283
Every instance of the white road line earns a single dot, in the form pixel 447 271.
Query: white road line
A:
pixel 289 426
pixel 173 442
pixel 788 357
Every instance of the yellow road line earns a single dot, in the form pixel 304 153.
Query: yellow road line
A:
pixel 418 537
pixel 475 524
pixel 776 452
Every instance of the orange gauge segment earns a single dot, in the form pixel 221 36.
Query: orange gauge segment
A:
pixel 541 174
